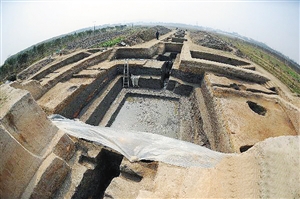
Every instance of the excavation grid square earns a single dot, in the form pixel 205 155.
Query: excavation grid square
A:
pixel 148 114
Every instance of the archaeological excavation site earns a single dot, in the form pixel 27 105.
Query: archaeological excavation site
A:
pixel 164 118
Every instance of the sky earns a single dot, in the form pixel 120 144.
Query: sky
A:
pixel 26 23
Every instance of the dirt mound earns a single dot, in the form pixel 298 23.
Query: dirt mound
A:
pixel 145 34
pixel 208 40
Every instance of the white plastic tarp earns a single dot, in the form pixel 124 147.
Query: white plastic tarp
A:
pixel 137 146
pixel 135 80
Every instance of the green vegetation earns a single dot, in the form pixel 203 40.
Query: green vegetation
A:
pixel 89 38
pixel 110 43
pixel 269 62
pixel 16 63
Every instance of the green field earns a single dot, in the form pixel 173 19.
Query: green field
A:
pixel 268 61
pixel 109 43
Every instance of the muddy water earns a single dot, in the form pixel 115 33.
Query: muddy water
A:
pixel 160 116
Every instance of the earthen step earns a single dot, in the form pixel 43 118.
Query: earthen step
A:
pixel 68 60
pixel 112 54
pixel 56 75
pixel 248 67
pixel 270 84
pixel 73 180
pixel 97 108
pixel 113 108
pixel 122 188
pixel 51 145
pixel 48 178
pixel 173 82
pixel 150 82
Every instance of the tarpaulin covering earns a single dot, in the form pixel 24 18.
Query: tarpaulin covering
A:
pixel 137 146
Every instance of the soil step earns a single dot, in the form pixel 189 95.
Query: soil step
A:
pixel 174 83
pixel 70 59
pixel 150 82
pixel 94 111
pixel 112 54
pixel 48 178
pixel 113 108
pixel 270 85
pixel 56 75
pixel 74 178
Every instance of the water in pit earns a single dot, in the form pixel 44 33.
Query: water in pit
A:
pixel 155 115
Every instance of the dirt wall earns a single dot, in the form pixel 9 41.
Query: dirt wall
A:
pixel 27 140
pixel 69 60
pixel 137 53
pixel 218 58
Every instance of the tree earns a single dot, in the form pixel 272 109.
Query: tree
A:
pixel 41 49
pixel 22 58
pixel 11 61
pixel 57 42
pixel 34 50
pixel 89 32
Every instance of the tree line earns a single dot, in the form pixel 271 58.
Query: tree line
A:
pixel 18 62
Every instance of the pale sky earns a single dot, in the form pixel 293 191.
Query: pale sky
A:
pixel 25 23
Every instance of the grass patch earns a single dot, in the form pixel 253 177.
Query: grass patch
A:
pixel 112 42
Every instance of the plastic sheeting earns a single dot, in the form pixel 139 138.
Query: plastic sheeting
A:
pixel 135 80
pixel 137 146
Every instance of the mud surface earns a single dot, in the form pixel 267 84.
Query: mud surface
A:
pixel 147 114
pixel 209 40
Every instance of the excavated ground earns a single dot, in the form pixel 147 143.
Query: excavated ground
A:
pixel 150 114
pixel 178 89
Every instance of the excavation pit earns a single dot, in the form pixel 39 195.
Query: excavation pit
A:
pixel 158 111
pixel 193 96
pixel 149 113
pixel 257 108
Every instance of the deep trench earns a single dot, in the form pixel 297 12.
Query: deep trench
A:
pixel 95 182
pixel 107 166
pixel 107 163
